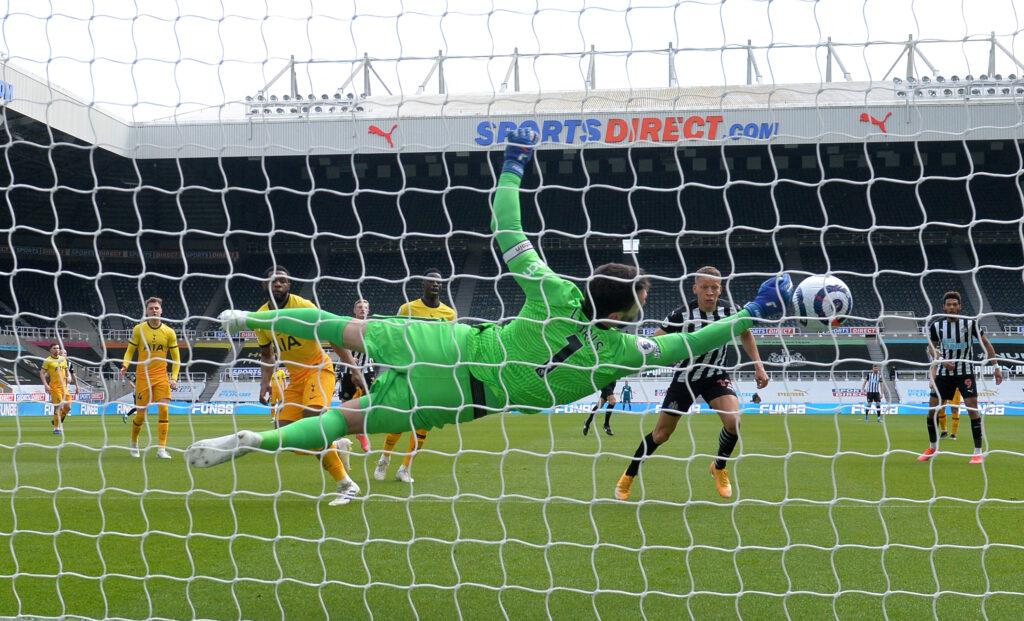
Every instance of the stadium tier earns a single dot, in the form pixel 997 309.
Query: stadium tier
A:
pixel 676 202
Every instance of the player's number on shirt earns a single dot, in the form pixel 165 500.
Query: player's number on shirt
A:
pixel 573 343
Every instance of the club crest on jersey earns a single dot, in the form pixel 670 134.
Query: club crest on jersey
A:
pixel 648 347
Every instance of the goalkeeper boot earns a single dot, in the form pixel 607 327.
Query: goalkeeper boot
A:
pixel 927 454
pixel 344 447
pixel 772 298
pixel 364 442
pixel 161 453
pixel 347 490
pixel 404 475
pixel 213 451
pixel 233 321
pixel 977 458
pixel 381 471
pixel 722 483
pixel 622 488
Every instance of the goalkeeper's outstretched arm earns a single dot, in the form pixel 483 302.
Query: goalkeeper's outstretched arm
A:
pixel 672 348
pixel 533 275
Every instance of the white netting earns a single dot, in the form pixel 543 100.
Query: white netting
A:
pixel 180 150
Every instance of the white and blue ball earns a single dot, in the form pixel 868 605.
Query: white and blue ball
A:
pixel 822 302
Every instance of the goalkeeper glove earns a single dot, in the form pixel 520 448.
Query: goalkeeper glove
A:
pixel 519 151
pixel 772 298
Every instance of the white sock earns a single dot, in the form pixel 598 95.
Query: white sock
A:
pixel 977 451
pixel 934 445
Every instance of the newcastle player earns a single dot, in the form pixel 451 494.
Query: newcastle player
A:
pixel 704 376
pixel 951 340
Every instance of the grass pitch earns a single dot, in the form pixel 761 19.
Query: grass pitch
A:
pixel 833 517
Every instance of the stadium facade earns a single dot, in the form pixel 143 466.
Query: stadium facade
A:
pixel 903 192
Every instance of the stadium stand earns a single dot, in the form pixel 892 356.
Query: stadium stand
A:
pixel 676 201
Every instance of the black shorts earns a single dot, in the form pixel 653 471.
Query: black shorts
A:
pixel 608 391
pixel 947 385
pixel 348 388
pixel 874 397
pixel 681 395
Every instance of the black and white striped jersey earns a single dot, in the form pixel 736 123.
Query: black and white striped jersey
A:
pixel 690 318
pixel 954 337
pixel 363 361
pixel 873 382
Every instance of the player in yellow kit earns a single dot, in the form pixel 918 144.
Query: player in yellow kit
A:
pixel 954 402
pixel 156 343
pixel 955 407
pixel 278 382
pixel 311 377
pixel 70 378
pixel 429 306
pixel 54 378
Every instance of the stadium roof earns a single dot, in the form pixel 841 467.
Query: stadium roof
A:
pixel 777 114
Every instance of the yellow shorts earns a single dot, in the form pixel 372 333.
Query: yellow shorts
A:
pixel 59 396
pixel 152 393
pixel 312 392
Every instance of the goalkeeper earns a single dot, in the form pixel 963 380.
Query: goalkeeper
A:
pixel 563 345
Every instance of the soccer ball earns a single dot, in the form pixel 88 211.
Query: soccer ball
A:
pixel 822 302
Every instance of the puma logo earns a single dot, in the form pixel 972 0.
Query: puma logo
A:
pixel 867 118
pixel 386 135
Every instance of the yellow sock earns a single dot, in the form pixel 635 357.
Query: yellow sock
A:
pixel 332 464
pixel 64 412
pixel 390 441
pixel 137 423
pixel 56 416
pixel 416 441
pixel 163 423
pixel 956 421
pixel 942 419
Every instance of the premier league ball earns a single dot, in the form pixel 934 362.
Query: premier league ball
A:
pixel 822 302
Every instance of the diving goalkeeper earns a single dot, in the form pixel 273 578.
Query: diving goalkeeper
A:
pixel 564 345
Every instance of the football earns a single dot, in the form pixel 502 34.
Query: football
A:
pixel 822 302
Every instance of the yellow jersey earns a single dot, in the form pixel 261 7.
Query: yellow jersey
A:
pixel 56 371
pixel 278 382
pixel 417 308
pixel 66 371
pixel 300 356
pixel 154 347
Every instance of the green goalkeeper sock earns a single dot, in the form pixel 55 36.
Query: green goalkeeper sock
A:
pixel 304 323
pixel 309 433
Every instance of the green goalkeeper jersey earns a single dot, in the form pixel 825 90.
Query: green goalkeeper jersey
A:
pixel 551 354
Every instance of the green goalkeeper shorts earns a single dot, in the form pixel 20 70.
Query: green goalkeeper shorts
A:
pixel 425 385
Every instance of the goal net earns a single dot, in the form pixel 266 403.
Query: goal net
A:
pixel 179 152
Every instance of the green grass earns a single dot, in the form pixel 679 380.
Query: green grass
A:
pixel 519 524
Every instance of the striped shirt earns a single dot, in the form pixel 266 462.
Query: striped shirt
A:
pixel 873 382
pixel 363 361
pixel 954 338
pixel 690 318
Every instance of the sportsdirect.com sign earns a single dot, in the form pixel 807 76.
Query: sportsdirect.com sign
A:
pixel 669 129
